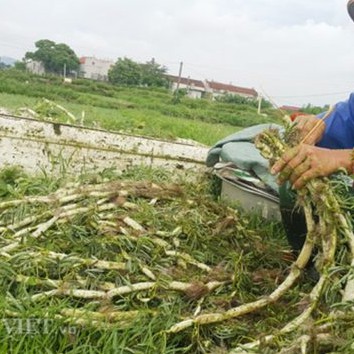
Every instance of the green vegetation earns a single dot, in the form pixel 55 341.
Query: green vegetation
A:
pixel 45 277
pixel 54 56
pixel 126 72
pixel 229 98
pixel 139 110
pixel 310 109
pixel 4 66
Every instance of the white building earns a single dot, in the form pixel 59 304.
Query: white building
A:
pixel 94 68
pixel 35 67
pixel 211 89
pixel 195 88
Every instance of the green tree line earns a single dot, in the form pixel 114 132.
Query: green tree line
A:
pixel 126 72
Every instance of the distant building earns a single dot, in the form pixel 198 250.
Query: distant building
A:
pixel 94 68
pixel 292 111
pixel 212 89
pixel 290 108
pixel 219 89
pixel 195 88
pixel 35 67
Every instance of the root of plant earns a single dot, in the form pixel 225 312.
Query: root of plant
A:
pixel 330 239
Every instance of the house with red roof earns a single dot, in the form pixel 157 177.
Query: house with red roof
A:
pixel 195 88
pixel 219 89
pixel 290 109
pixel 199 88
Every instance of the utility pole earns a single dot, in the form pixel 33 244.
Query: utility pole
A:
pixel 259 103
pixel 64 71
pixel 179 75
pixel 176 97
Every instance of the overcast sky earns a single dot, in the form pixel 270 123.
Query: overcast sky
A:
pixel 294 51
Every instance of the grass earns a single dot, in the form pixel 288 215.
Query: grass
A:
pixel 140 122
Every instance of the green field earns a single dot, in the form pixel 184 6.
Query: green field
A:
pixel 142 111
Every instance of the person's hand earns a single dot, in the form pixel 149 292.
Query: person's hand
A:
pixel 304 162
pixel 305 123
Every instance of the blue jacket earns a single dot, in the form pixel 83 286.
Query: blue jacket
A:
pixel 339 133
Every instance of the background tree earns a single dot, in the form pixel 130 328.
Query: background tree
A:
pixel 54 56
pixel 310 109
pixel 125 72
pixel 154 74
pixel 20 65
pixel 130 73
pixel 4 66
pixel 241 100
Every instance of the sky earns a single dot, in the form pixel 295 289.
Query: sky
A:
pixel 294 52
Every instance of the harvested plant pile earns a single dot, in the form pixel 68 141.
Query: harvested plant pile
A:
pixel 143 263
pixel 103 263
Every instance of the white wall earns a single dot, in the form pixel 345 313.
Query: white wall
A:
pixel 95 69
pixel 35 67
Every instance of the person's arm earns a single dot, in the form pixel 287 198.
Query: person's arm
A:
pixel 304 162
pixel 339 132
pixel 333 150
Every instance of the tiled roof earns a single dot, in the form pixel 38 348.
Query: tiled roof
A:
pixel 186 81
pixel 231 88
pixel 290 108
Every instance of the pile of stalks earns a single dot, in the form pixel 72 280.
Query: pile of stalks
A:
pixel 146 263
pixel 120 259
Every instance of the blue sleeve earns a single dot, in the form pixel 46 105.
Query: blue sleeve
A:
pixel 339 133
